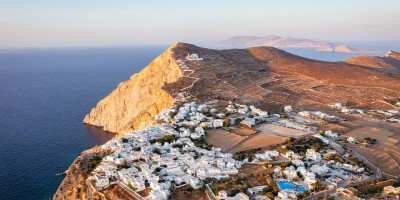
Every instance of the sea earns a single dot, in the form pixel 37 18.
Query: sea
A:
pixel 44 96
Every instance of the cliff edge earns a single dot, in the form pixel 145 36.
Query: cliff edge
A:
pixel 134 103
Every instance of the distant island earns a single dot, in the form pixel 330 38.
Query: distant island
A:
pixel 283 42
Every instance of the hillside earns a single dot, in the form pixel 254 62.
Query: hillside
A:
pixel 263 76
pixel 390 62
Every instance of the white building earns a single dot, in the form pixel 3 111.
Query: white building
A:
pixel 311 154
pixel 250 122
pixel 193 57
pixel 288 109
pixel 329 133
pixel 101 181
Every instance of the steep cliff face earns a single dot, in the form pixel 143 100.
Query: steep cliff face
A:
pixel 134 103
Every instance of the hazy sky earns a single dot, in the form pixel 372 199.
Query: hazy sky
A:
pixel 26 23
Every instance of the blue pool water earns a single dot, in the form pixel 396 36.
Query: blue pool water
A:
pixel 289 186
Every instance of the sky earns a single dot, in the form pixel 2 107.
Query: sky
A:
pixel 56 23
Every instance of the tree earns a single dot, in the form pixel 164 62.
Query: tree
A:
pixel 168 138
pixel 124 165
pixel 171 114
pixel 237 121
pixel 203 187
pixel 227 121
pixel 282 150
pixel 157 151
pixel 369 140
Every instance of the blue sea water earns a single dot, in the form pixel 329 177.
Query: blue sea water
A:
pixel 335 56
pixel 44 95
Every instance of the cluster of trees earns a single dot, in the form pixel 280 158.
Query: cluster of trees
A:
pixel 369 140
pixel 124 165
pixel 124 140
pixel 336 157
pixel 93 163
pixel 303 195
pixel 157 151
pixel 201 143
pixel 164 139
pixel 318 186
pixel 246 154
pixel 301 145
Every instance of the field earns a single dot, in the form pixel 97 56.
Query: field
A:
pixel 382 136
pixel 272 129
pixel 183 193
pixel 258 141
pixel 223 139
pixel 336 128
pixel 245 131
pixel 117 192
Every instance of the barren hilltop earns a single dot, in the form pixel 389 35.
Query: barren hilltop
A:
pixel 266 77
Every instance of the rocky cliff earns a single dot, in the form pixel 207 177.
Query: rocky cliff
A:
pixel 74 186
pixel 134 103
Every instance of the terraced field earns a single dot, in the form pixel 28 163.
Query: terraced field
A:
pixel 380 159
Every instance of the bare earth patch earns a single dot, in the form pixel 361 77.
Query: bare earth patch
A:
pixel 183 193
pixel 382 136
pixel 117 192
pixel 245 131
pixel 258 141
pixel 272 129
pixel 223 139
pixel 336 128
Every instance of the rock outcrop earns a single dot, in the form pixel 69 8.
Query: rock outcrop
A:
pixel 393 54
pixel 134 103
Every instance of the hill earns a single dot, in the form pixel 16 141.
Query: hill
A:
pixel 390 62
pixel 266 77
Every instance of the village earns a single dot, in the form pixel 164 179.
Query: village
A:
pixel 174 153
pixel 207 146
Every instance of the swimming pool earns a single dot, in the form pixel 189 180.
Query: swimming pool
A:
pixel 289 186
